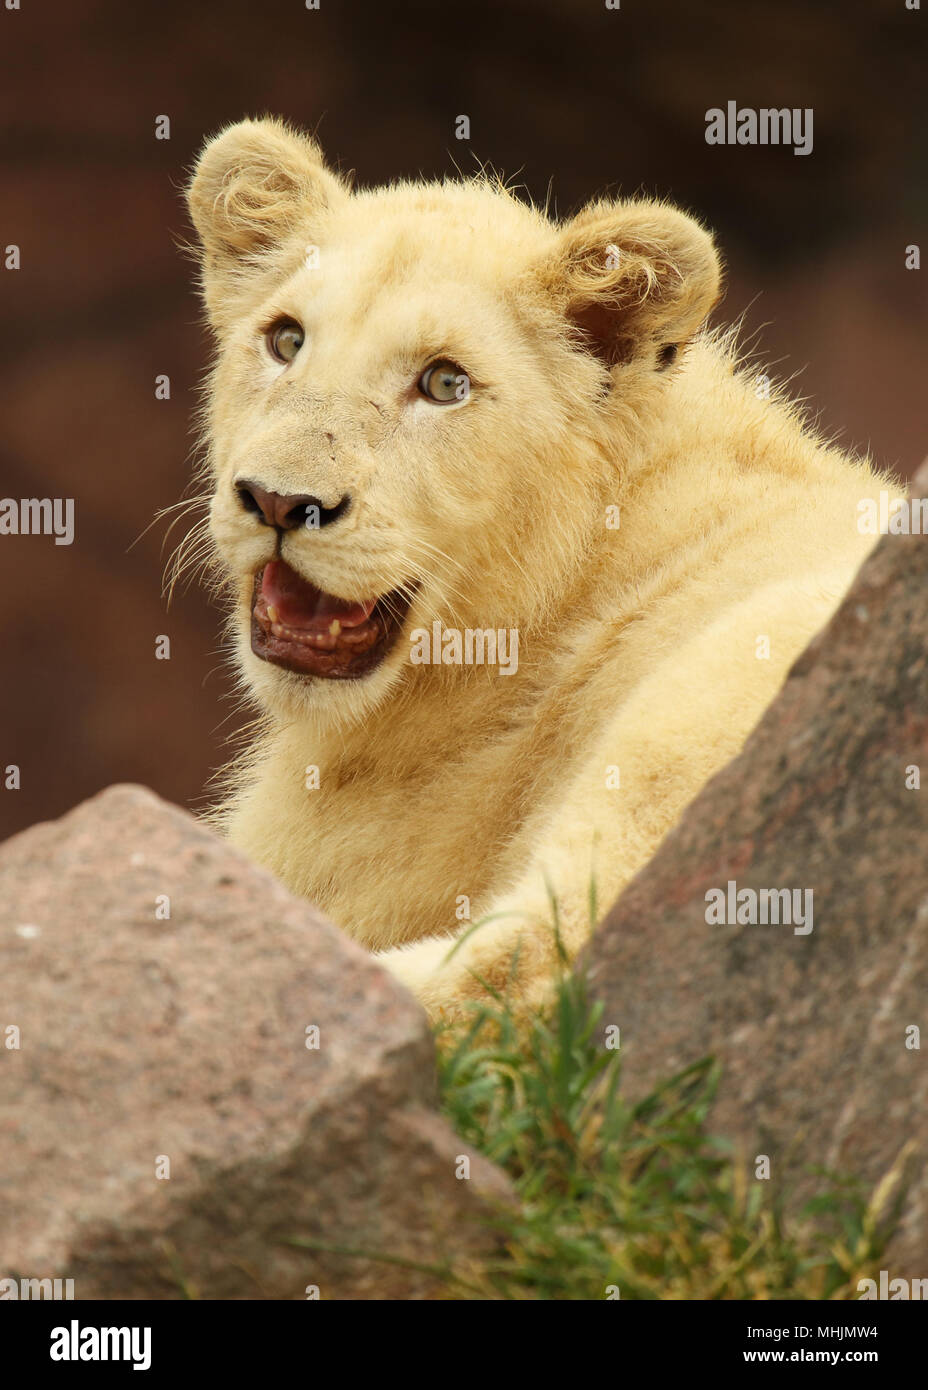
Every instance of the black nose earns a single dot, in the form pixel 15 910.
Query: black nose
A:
pixel 287 513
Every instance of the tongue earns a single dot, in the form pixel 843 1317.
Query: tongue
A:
pixel 297 603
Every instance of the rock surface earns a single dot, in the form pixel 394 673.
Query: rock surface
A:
pixel 815 1031
pixel 149 1044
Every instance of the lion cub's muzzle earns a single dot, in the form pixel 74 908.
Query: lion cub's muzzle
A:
pixel 305 630
pixel 286 513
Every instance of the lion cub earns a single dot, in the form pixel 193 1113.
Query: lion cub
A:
pixel 516 555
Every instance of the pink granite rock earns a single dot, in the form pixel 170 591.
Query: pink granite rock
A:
pixel 818 1031
pixel 164 991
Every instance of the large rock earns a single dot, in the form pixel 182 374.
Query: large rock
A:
pixel 815 1031
pixel 145 1041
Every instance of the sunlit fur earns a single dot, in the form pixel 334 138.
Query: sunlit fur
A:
pixel 453 790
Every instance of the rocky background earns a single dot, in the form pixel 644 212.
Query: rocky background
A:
pixel 559 90
pixel 819 1031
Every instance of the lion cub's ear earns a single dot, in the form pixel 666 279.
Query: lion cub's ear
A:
pixel 635 279
pixel 254 185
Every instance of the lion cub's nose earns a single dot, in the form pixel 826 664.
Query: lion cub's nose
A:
pixel 287 513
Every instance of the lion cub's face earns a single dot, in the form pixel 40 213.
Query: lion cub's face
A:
pixel 415 404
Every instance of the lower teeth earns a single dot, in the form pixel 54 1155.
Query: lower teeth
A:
pixel 354 639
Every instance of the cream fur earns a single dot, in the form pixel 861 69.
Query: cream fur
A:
pixel 637 646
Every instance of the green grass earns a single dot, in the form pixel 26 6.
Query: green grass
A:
pixel 635 1197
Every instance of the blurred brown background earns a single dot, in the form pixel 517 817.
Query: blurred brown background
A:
pixel 560 90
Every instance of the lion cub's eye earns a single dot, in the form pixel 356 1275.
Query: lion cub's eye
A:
pixel 284 340
pixel 444 382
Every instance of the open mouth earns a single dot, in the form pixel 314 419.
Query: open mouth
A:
pixel 301 628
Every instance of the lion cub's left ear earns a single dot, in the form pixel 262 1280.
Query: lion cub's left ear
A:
pixel 255 186
pixel 635 280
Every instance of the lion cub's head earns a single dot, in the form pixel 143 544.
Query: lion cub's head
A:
pixel 422 398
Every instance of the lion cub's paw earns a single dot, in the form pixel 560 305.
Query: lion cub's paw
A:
pixel 423 968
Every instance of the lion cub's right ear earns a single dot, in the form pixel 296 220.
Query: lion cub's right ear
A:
pixel 635 279
pixel 255 185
